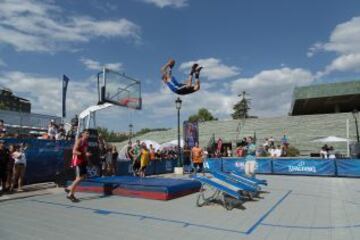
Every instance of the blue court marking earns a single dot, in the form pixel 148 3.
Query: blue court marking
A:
pixel 103 212
pixel 183 223
pixel 141 217
pixel 253 227
pixel 311 227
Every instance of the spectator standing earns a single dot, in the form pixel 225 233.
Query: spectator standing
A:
pixel 144 159
pixel 61 133
pixel 108 169
pixel 128 152
pixel 331 153
pixel 324 152
pixel 197 157
pixel 101 164
pixel 250 159
pixel 152 153
pixel 2 129
pixel 19 167
pixel 278 152
pixel 136 153
pixel 271 141
pixel 187 155
pixel 10 167
pixel 158 154
pixel 266 145
pixel 52 130
pixel 115 156
pixel 229 152
pixel 4 161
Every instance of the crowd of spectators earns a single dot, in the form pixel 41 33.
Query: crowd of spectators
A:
pixel 12 167
pixel 328 152
pixel 108 156
pixel 54 131
pixel 270 148
pixel 192 157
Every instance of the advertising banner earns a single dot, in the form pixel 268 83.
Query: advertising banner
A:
pixel 231 164
pixel 304 167
pixel 348 167
pixel 191 133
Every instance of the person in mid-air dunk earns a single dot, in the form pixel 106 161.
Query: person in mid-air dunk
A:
pixel 181 88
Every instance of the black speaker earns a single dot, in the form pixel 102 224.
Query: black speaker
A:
pixel 355 150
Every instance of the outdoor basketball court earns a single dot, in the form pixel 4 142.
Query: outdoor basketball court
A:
pixel 294 207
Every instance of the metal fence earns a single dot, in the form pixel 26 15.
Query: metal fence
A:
pixel 27 120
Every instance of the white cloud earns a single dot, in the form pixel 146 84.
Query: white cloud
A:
pixel 45 92
pixel 2 63
pixel 95 65
pixel 344 40
pixel 168 3
pixel 214 69
pixel 343 63
pixel 271 90
pixel 40 26
pixel 161 104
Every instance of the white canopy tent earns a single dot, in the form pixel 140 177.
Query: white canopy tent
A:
pixel 172 143
pixel 334 139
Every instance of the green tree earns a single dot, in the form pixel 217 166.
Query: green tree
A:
pixel 241 109
pixel 203 115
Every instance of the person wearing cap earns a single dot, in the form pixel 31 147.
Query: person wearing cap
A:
pixel 4 159
pixel 2 129
pixel 52 130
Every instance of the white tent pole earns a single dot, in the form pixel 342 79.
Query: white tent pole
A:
pixel 348 137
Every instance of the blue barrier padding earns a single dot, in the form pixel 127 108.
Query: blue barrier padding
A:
pixel 124 168
pixel 348 167
pixel 45 158
pixel 214 164
pixel 304 167
pixel 238 164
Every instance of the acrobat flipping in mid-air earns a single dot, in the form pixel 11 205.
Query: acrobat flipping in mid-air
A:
pixel 181 88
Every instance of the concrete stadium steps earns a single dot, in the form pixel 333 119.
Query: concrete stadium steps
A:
pixel 300 130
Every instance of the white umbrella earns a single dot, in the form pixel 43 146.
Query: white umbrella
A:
pixel 331 139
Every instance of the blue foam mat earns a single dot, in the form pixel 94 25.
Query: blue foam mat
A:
pixel 168 185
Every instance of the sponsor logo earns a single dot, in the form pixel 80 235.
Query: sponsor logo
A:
pixel 301 167
pixel 92 171
pixel 206 165
pixel 240 165
pixel 168 166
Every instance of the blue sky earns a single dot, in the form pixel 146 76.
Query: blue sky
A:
pixel 264 47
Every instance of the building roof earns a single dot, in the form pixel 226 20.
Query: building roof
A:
pixel 327 90
pixel 326 98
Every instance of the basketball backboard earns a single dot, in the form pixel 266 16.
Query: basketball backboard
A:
pixel 119 89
